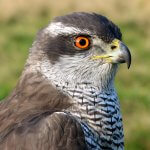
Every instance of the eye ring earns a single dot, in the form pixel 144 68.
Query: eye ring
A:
pixel 82 42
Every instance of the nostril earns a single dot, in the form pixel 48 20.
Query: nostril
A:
pixel 113 47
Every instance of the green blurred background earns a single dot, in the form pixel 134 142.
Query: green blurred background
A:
pixel 21 19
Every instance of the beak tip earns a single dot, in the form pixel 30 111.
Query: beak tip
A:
pixel 128 66
pixel 129 61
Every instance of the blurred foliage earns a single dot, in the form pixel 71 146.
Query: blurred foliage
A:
pixel 20 21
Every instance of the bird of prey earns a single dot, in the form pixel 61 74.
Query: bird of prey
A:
pixel 65 98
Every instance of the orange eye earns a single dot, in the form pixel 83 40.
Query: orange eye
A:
pixel 82 42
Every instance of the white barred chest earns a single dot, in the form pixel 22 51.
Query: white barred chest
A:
pixel 100 115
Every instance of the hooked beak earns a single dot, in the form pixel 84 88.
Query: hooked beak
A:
pixel 119 53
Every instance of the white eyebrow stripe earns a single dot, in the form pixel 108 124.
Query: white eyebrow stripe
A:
pixel 58 28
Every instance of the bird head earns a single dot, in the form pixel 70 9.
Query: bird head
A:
pixel 81 47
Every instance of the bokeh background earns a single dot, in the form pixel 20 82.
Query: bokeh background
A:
pixel 21 19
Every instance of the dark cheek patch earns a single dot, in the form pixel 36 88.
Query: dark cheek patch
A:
pixel 59 46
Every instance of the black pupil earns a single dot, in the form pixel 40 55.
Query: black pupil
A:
pixel 82 42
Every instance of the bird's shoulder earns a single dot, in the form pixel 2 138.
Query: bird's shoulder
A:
pixel 46 131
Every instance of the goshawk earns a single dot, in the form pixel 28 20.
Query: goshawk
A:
pixel 65 98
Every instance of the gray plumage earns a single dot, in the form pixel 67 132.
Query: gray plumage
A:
pixel 65 99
